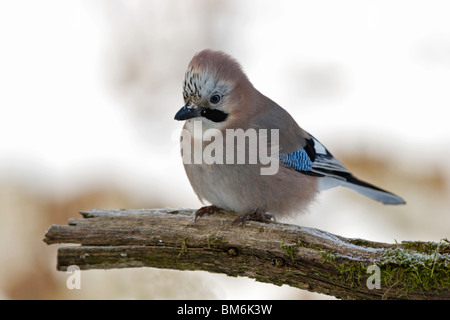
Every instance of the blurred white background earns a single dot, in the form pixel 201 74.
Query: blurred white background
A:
pixel 89 90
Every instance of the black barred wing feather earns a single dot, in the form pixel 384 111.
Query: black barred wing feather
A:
pixel 314 159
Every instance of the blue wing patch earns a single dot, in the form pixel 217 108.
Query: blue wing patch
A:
pixel 315 160
pixel 298 160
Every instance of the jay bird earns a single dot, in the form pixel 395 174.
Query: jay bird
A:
pixel 220 98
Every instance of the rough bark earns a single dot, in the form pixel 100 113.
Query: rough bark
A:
pixel 271 252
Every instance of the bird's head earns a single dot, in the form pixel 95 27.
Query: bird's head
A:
pixel 213 89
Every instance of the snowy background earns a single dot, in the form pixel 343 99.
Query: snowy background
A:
pixel 89 90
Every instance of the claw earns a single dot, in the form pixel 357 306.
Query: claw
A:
pixel 207 210
pixel 254 216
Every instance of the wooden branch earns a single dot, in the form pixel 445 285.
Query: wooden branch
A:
pixel 271 252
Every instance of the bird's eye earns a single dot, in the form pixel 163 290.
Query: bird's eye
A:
pixel 215 98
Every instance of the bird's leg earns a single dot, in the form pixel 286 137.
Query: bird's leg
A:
pixel 207 210
pixel 257 215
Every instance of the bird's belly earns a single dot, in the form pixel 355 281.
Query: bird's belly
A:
pixel 242 189
pixel 229 186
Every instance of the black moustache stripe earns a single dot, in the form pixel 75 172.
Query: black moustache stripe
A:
pixel 214 115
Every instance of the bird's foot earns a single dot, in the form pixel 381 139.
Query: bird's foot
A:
pixel 257 215
pixel 207 210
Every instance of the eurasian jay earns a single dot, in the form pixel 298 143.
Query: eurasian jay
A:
pixel 220 99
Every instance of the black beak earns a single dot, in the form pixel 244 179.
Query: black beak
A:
pixel 187 113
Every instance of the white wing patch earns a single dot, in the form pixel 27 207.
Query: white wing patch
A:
pixel 325 164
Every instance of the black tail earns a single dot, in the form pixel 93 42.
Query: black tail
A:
pixel 371 191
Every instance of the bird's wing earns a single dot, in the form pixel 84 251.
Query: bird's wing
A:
pixel 315 159
pixel 298 149
pixel 302 152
